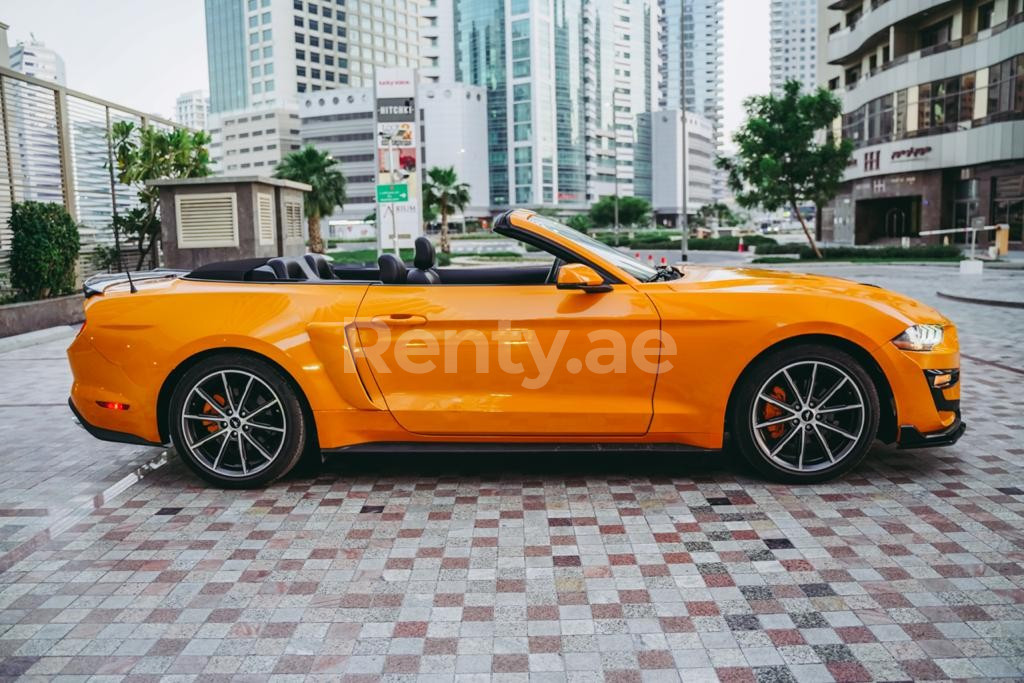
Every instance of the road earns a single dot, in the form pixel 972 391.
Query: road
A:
pixel 117 562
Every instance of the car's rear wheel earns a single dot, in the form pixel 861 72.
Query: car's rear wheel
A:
pixel 805 414
pixel 237 421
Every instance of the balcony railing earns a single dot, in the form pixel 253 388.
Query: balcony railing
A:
pixel 55 149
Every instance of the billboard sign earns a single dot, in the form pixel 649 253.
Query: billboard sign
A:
pixel 398 174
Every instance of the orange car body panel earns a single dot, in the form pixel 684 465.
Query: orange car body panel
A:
pixel 322 335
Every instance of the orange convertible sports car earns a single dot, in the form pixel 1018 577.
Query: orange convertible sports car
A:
pixel 246 365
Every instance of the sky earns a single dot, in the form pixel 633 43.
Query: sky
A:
pixel 143 53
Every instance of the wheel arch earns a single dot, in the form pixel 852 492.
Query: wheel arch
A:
pixel 887 419
pixel 170 382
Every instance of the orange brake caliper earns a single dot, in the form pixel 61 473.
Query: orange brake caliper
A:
pixel 771 411
pixel 208 409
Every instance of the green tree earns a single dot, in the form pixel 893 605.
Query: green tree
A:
pixel 444 193
pixel 633 211
pixel 318 170
pixel 44 248
pixel 718 211
pixel 581 222
pixel 780 161
pixel 143 153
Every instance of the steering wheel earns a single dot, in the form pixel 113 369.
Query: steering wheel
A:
pixel 552 277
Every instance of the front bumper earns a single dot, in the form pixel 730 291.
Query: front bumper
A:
pixel 910 437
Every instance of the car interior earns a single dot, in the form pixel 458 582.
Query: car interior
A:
pixel 390 270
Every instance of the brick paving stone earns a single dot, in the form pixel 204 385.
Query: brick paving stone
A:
pixel 514 568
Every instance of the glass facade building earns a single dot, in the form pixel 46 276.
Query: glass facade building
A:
pixel 692 59
pixel 226 55
pixel 566 81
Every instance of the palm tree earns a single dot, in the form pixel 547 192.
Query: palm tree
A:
pixel 447 195
pixel 317 169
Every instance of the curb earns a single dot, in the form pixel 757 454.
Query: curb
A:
pixel 981 302
pixel 20 341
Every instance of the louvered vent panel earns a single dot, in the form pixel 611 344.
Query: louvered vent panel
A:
pixel 265 217
pixel 293 221
pixel 207 220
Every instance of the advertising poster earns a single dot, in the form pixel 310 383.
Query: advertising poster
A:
pixel 398 173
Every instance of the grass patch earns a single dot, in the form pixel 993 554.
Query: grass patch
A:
pixel 494 256
pixel 368 257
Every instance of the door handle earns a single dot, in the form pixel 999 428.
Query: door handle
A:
pixel 399 319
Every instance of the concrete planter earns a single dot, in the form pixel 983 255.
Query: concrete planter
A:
pixel 29 316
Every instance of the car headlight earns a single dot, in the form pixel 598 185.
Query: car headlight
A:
pixel 919 338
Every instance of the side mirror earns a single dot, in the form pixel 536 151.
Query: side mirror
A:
pixel 581 277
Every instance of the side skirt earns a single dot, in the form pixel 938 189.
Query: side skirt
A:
pixel 490 447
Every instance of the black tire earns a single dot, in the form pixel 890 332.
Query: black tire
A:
pixel 281 430
pixel 821 444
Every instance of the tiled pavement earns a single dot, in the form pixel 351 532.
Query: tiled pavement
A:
pixel 510 567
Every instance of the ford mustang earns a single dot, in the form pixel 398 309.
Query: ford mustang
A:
pixel 245 366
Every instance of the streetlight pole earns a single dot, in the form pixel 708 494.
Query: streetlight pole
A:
pixel 615 150
pixel 684 246
pixel 391 205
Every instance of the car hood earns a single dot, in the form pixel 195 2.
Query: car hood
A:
pixel 909 310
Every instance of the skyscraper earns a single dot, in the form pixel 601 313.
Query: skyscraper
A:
pixel 264 53
pixel 34 59
pixel 191 108
pixel 437 35
pixel 565 80
pixel 793 51
pixel 692 59
pixel 621 83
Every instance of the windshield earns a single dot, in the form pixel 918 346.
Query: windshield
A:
pixel 640 271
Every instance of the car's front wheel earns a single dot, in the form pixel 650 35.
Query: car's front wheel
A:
pixel 805 414
pixel 236 421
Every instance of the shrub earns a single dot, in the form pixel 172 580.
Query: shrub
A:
pixel 923 251
pixel 43 250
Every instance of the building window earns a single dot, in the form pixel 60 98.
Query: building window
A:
pixel 937 34
pixel 985 15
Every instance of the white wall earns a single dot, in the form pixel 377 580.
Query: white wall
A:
pixel 455 126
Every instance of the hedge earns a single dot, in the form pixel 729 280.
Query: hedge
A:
pixel 44 250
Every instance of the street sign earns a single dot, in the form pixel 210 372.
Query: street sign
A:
pixel 392 193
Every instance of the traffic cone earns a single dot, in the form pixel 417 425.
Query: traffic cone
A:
pixel 739 247
pixel 650 259
pixel 637 255
pixel 664 261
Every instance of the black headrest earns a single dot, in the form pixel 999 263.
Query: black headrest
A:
pixel 321 265
pixel 291 269
pixel 392 270
pixel 424 259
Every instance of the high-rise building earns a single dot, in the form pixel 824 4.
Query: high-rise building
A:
pixel 692 60
pixel 453 130
pixel 565 81
pixel 5 51
pixel 681 149
pixel 191 109
pixel 34 59
pixel 794 44
pixel 252 141
pixel 265 53
pixel 621 82
pixel 932 94
pixel 437 38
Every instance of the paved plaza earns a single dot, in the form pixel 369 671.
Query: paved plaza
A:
pixel 119 564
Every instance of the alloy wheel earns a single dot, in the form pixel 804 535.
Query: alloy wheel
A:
pixel 233 423
pixel 808 416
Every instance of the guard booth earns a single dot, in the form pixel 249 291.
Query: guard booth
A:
pixel 204 220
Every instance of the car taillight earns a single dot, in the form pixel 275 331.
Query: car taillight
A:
pixel 112 405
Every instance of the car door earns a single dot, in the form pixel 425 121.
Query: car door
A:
pixel 474 360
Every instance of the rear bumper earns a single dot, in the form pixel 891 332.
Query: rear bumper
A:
pixel 108 434
pixel 910 437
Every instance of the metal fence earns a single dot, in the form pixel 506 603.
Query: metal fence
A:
pixel 54 147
